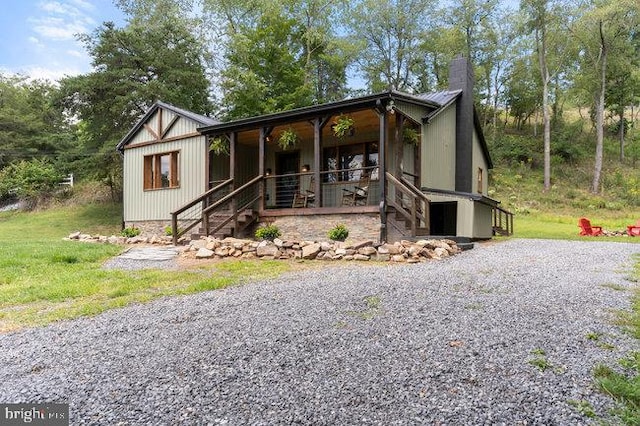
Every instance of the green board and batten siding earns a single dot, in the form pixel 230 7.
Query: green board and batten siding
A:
pixel 146 205
pixel 439 151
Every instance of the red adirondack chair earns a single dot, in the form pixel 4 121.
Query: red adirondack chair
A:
pixel 587 229
pixel 634 230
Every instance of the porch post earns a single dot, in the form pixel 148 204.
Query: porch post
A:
pixel 232 175
pixel 264 131
pixel 318 125
pixel 382 119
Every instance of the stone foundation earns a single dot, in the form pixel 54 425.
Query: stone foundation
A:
pixel 149 227
pixel 364 226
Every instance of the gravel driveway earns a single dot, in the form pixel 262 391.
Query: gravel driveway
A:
pixel 444 342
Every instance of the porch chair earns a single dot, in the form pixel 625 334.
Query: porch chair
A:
pixel 587 229
pixel 634 230
pixel 359 195
pixel 304 198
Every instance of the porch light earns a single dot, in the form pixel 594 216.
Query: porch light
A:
pixel 306 168
pixel 267 172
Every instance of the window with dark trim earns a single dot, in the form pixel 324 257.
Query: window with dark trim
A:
pixel 480 180
pixel 354 157
pixel 161 170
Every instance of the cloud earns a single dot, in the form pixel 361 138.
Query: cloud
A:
pixel 61 20
pixel 58 28
pixel 83 4
pixel 36 42
pixel 76 53
pixel 42 73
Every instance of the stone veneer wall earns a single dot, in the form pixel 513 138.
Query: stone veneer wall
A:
pixel 149 227
pixel 315 227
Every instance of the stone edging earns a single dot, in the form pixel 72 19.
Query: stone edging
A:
pixel 214 248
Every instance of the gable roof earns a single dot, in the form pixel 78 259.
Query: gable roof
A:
pixel 200 119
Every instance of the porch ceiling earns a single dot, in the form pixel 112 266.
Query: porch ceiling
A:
pixel 366 121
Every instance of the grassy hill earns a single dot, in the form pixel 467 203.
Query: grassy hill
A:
pixel 517 181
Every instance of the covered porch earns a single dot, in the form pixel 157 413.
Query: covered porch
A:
pixel 363 170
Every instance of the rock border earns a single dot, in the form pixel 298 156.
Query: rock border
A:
pixel 213 248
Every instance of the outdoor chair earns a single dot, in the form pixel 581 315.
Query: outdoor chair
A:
pixel 587 229
pixel 359 195
pixel 304 198
pixel 634 230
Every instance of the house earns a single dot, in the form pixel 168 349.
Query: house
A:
pixel 389 166
pixel 164 162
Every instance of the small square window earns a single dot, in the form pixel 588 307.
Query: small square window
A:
pixel 161 171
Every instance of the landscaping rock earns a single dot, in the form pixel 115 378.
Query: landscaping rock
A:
pixel 204 253
pixel 310 251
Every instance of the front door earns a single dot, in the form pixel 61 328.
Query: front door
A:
pixel 287 163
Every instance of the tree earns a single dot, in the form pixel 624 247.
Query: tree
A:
pixel 390 34
pixel 30 125
pixel 150 59
pixel 264 74
pixel 543 20
pixel 603 32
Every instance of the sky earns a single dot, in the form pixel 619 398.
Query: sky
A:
pixel 37 37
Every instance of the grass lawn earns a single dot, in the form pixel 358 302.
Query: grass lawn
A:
pixel 623 382
pixel 565 227
pixel 45 279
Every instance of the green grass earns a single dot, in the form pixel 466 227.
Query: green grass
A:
pixel 45 279
pixel 624 385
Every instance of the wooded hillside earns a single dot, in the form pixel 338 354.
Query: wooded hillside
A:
pixel 557 81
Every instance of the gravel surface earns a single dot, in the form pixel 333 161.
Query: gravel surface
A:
pixel 443 342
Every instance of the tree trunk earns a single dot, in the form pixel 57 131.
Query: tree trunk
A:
pixel 600 115
pixel 621 130
pixel 544 74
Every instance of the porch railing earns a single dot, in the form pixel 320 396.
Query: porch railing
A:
pixel 221 200
pixel 411 203
pixel 502 221
pixel 282 190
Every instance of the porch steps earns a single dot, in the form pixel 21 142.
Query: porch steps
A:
pixel 245 219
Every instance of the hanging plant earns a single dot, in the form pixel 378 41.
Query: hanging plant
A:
pixel 411 136
pixel 219 146
pixel 288 139
pixel 343 126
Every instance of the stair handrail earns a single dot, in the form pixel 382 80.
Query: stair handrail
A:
pixel 232 194
pixel 416 195
pixel 200 199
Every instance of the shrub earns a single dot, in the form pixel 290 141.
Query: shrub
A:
pixel 168 230
pixel 130 231
pixel 28 180
pixel 268 232
pixel 338 233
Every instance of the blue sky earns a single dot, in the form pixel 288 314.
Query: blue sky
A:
pixel 38 36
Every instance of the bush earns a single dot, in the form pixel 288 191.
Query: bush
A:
pixel 168 230
pixel 131 231
pixel 29 180
pixel 338 233
pixel 268 232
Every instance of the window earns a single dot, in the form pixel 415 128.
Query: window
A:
pixel 161 171
pixel 353 157
pixel 480 179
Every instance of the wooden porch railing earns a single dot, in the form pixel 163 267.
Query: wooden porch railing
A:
pixel 410 202
pixel 199 210
pixel 502 221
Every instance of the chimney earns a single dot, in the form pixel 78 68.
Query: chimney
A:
pixel 461 78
